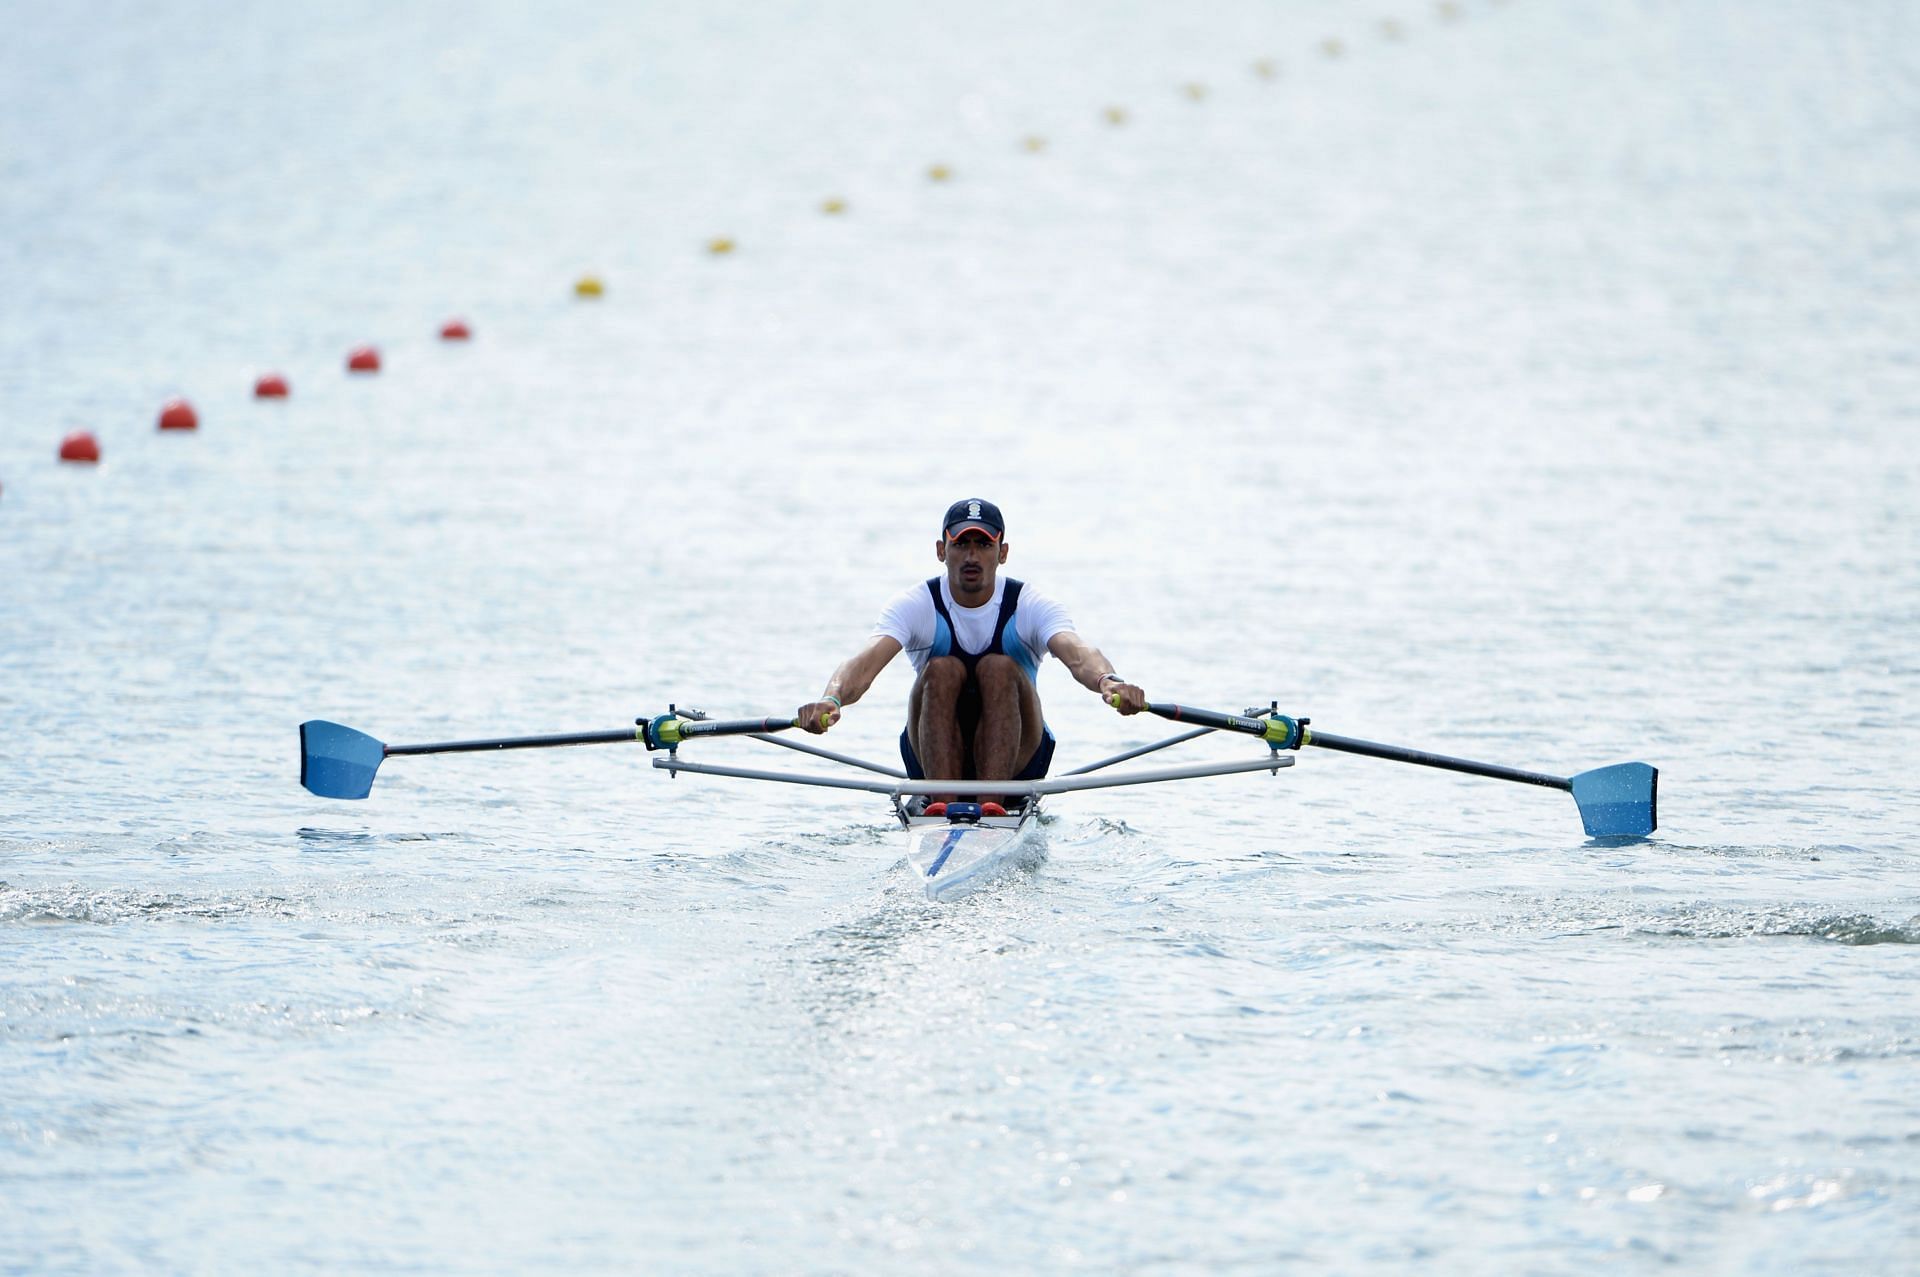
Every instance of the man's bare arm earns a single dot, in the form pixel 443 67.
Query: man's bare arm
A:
pixel 849 683
pixel 1095 672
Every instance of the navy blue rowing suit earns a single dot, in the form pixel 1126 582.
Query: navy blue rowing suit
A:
pixel 945 643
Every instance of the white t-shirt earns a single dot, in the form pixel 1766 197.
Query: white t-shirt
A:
pixel 910 620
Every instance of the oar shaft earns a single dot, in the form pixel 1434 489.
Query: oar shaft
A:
pixel 628 734
pixel 1422 758
pixel 1347 745
pixel 686 728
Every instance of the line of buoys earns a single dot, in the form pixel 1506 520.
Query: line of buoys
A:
pixel 80 446
pixel 178 414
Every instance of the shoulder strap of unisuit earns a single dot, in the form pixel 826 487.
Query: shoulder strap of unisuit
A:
pixel 944 642
pixel 1009 600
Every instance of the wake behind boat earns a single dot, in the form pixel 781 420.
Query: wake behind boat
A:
pixel 965 844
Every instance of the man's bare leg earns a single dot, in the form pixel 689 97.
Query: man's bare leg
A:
pixel 933 720
pixel 1010 721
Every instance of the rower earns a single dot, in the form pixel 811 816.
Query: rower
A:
pixel 976 640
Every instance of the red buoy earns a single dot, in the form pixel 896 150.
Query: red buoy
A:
pixel 271 386
pixel 80 446
pixel 455 330
pixel 178 414
pixel 363 359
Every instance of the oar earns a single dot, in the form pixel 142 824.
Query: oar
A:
pixel 339 762
pixel 1619 801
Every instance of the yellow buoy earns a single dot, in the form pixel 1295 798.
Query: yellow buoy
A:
pixel 1034 143
pixel 1266 69
pixel 1332 48
pixel 719 244
pixel 588 286
pixel 1390 29
pixel 1116 115
pixel 1447 10
pixel 939 172
pixel 833 204
pixel 1196 91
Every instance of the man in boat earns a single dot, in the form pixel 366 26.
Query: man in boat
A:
pixel 976 640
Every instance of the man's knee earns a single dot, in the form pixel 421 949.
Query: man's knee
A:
pixel 997 672
pixel 943 678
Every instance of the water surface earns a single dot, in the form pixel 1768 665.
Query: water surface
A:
pixel 1535 384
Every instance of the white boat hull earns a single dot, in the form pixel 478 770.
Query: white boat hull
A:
pixel 952 858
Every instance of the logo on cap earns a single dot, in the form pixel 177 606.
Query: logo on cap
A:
pixel 972 513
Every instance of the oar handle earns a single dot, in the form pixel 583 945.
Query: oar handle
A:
pixel 666 731
pixel 1277 730
pixel 737 726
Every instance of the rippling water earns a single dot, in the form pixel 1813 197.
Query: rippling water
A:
pixel 1533 381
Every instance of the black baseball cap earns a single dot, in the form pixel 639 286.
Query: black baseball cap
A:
pixel 972 512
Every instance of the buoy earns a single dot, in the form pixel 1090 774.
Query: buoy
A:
pixel 178 414
pixel 939 172
pixel 588 286
pixel 1447 10
pixel 833 206
pixel 1034 143
pixel 271 386
pixel 1332 48
pixel 1116 115
pixel 80 446
pixel 1196 91
pixel 719 245
pixel 1266 69
pixel 363 359
pixel 455 330
pixel 1389 29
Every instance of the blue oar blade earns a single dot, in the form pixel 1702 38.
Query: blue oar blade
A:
pixel 1618 801
pixel 336 761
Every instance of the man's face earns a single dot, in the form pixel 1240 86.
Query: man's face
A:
pixel 973 559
